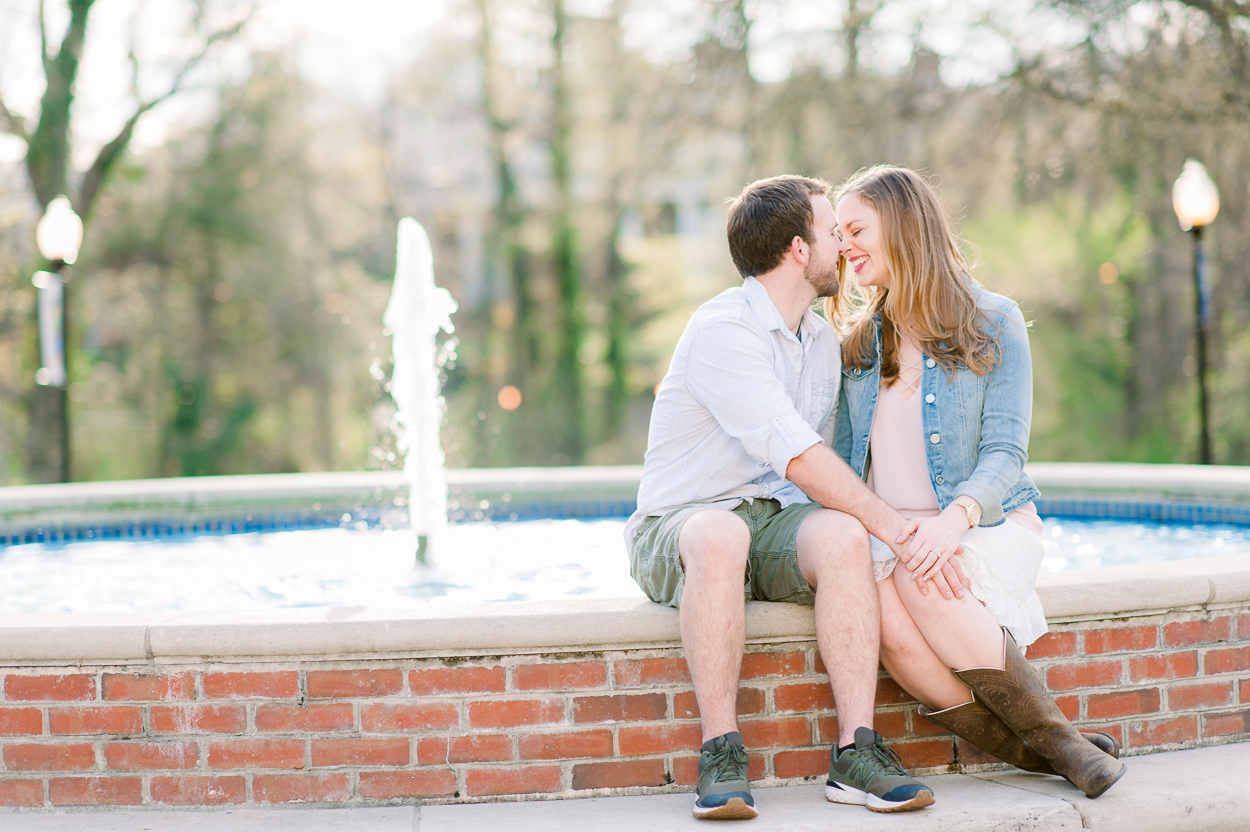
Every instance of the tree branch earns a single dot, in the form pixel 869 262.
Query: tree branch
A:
pixel 10 123
pixel 43 36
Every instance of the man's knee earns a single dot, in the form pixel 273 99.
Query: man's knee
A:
pixel 714 538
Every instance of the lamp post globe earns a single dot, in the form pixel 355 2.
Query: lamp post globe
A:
pixel 59 232
pixel 1196 200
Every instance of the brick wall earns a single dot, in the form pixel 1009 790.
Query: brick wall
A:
pixel 560 724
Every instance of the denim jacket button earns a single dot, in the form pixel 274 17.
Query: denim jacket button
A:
pixel 935 438
pixel 930 398
pixel 939 479
pixel 929 363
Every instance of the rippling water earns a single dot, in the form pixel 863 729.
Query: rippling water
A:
pixel 537 560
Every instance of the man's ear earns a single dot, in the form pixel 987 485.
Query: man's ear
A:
pixel 800 250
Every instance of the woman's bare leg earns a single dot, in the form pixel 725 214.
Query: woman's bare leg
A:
pixel 961 631
pixel 910 660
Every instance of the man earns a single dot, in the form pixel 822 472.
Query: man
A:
pixel 739 491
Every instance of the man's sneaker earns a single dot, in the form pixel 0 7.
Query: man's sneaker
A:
pixel 724 793
pixel 872 774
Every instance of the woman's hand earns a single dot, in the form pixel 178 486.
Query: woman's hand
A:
pixel 933 541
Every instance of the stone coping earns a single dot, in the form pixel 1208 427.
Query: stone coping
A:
pixel 537 627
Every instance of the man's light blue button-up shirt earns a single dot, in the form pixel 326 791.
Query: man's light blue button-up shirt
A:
pixel 743 397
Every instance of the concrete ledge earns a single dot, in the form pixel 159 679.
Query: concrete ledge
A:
pixel 545 626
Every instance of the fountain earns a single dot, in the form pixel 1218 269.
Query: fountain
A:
pixel 417 310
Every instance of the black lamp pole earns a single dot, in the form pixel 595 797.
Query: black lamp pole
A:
pixel 1202 298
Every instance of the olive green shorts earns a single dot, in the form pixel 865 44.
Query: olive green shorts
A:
pixel 772 572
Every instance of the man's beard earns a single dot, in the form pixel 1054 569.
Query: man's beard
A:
pixel 822 277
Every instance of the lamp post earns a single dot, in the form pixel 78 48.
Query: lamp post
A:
pixel 58 235
pixel 1196 201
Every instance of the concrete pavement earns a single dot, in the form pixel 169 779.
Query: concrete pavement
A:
pixel 1195 790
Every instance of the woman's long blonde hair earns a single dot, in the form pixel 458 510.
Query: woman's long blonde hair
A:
pixel 930 298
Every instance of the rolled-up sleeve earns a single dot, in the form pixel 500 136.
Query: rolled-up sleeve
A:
pixel 731 373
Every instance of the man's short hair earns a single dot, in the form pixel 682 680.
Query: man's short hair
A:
pixel 766 216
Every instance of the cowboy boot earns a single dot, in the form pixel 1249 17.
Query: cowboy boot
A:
pixel 980 726
pixel 1019 698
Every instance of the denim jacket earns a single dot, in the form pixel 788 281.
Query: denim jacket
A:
pixel 977 427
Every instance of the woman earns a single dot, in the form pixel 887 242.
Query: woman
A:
pixel 934 412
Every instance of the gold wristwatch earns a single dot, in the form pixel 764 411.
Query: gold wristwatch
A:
pixel 973 514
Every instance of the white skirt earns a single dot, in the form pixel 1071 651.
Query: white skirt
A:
pixel 1001 563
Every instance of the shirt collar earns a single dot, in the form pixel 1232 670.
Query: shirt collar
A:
pixel 762 304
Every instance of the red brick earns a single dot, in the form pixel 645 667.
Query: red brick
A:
pixel 750 701
pixel 925 753
pixel 279 684
pixel 1120 639
pixel 386 785
pixel 1243 626
pixel 527 780
pixel 333 684
pixel 782 732
pixel 560 676
pixel 470 748
pixel 803 696
pixel 354 751
pixel 509 713
pixel 153 687
pixel 1168 666
pixel 1053 646
pixel 301 788
pixel 1162 731
pixel 920 726
pixel 146 756
pixel 256 754
pixel 1185 633
pixel 1070 706
pixel 18 721
pixel 441 680
pixel 21 792
pixel 1220 725
pixel 95 791
pixel 636 741
pixel 199 791
pixel 317 718
pixel 803 763
pixel 1226 661
pixel 627 708
pixel 61 756
pixel 890 724
pixel 198 719
pixel 686 769
pixel 633 673
pixel 560 745
pixel 767 665
pixel 123 719
pixel 619 774
pixel 889 693
pixel 1212 695
pixel 77 687
pixel 1244 692
pixel 827 729
pixel 1083 675
pixel 387 716
pixel 1123 703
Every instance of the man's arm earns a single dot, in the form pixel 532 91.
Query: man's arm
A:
pixel 825 478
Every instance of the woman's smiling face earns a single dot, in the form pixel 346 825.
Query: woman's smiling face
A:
pixel 859 228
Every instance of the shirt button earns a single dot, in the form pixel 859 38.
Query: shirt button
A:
pixel 929 363
pixel 935 438
pixel 930 398
pixel 939 479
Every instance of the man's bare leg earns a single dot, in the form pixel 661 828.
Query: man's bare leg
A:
pixel 713 545
pixel 834 556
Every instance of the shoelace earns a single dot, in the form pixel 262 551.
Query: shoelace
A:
pixel 888 758
pixel 728 763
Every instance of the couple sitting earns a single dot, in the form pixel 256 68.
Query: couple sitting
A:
pixel 754 488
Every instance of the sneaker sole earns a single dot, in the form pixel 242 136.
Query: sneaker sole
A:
pixel 735 809
pixel 851 796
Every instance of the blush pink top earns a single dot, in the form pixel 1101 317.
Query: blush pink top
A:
pixel 900 470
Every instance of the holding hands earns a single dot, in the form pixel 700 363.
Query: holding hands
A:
pixel 927 544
